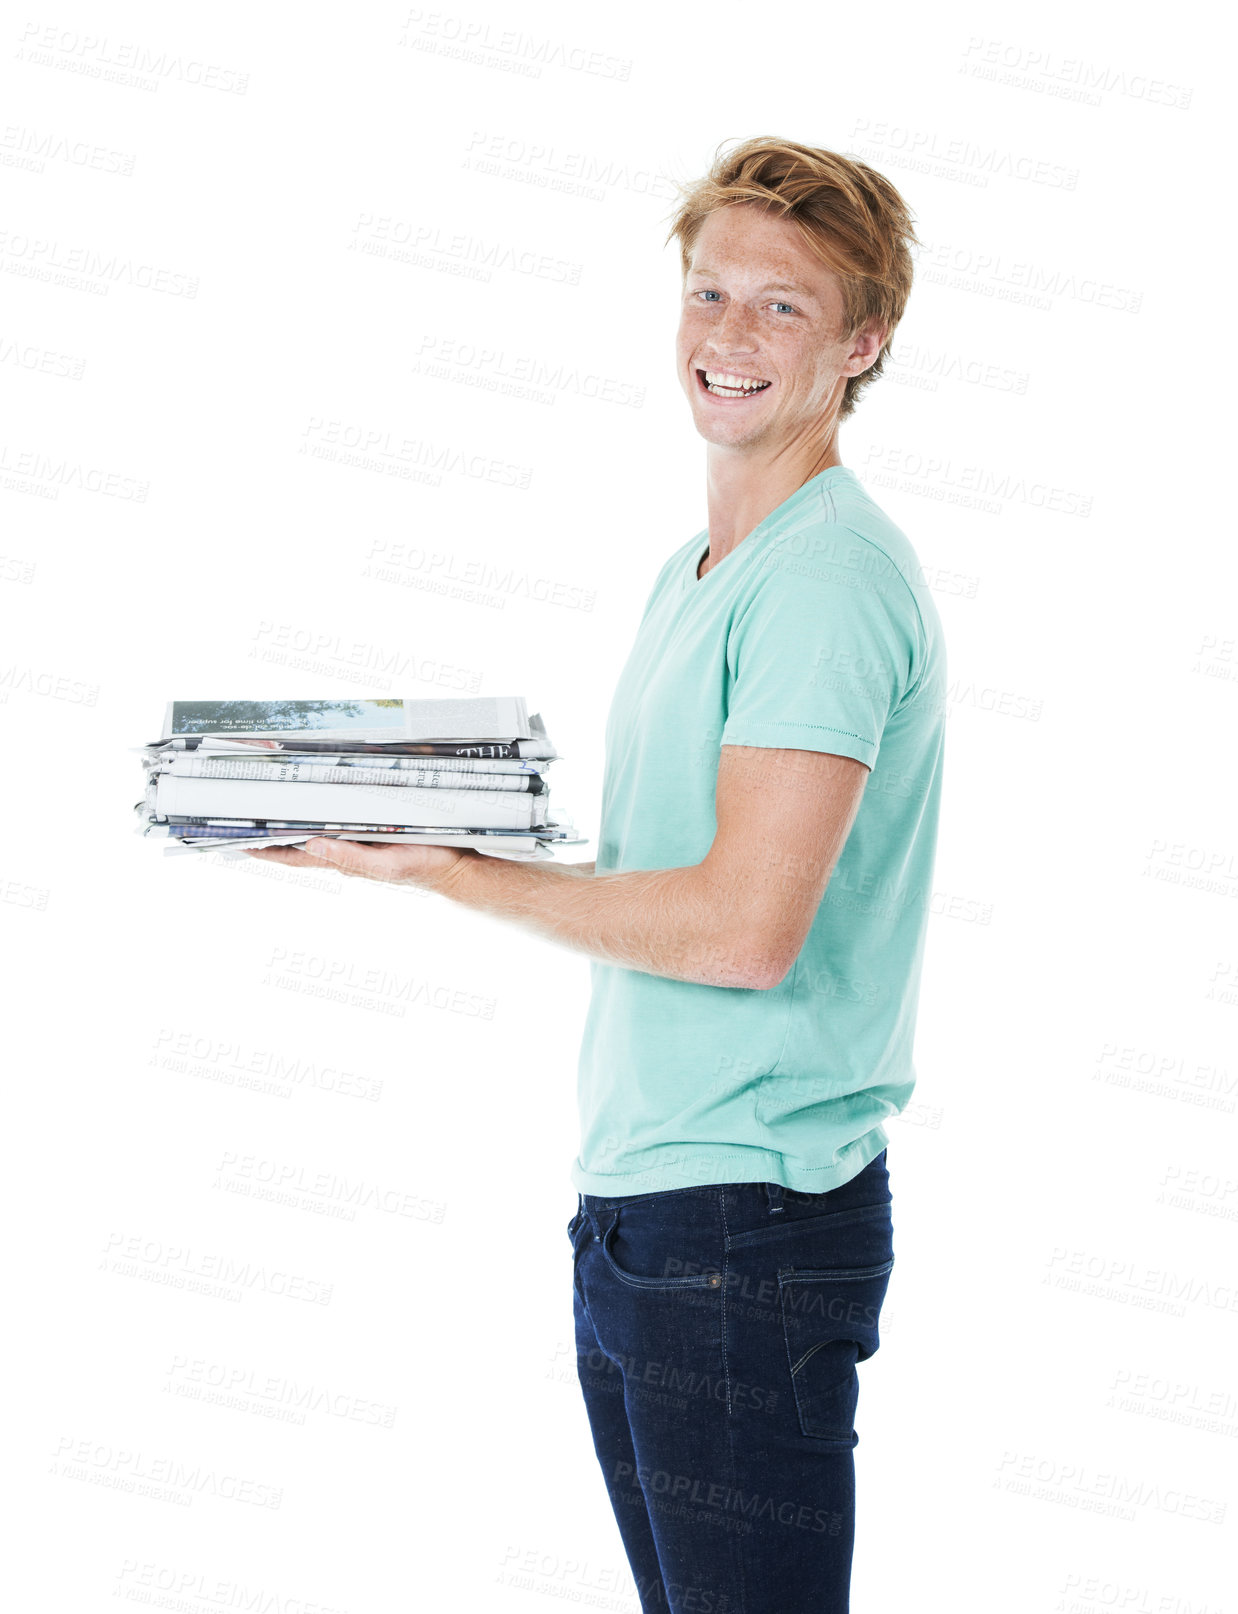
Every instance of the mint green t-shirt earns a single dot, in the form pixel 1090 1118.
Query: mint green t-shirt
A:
pixel 818 633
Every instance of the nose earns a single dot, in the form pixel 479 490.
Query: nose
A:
pixel 733 332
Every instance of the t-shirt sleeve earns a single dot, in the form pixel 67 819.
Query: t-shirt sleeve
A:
pixel 824 651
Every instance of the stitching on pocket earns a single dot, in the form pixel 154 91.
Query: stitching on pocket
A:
pixel 837 1274
pixel 696 1280
pixel 879 1210
pixel 826 1411
pixel 807 1354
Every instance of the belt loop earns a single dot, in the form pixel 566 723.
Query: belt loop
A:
pixel 600 1218
pixel 773 1193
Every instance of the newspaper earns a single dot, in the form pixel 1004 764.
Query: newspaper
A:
pixel 517 846
pixel 339 767
pixel 450 719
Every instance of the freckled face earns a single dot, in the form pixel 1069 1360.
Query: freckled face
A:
pixel 759 307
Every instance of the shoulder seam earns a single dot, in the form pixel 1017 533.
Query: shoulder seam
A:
pixel 827 497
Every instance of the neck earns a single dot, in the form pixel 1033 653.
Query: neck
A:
pixel 741 491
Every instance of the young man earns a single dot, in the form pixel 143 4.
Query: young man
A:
pixel 755 917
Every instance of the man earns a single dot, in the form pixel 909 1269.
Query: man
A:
pixel 755 918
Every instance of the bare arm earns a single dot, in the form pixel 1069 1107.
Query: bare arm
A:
pixel 664 921
pixel 739 918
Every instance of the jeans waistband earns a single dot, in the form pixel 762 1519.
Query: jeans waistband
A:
pixel 769 1199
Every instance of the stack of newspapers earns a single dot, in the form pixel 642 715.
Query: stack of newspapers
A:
pixel 454 771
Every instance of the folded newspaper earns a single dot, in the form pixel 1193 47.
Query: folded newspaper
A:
pixel 448 771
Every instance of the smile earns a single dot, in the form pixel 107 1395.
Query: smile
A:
pixel 723 384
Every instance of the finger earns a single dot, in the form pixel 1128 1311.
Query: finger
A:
pixel 292 855
pixel 386 861
pixel 352 857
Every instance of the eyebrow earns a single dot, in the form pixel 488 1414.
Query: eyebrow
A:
pixel 771 285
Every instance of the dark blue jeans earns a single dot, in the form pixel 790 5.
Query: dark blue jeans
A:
pixel 718 1331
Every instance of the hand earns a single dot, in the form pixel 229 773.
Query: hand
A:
pixel 431 866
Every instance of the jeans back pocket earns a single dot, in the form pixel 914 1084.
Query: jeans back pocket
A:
pixel 829 1319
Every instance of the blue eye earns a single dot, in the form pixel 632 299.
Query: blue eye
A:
pixel 709 292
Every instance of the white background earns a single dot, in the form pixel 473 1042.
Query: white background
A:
pixel 236 237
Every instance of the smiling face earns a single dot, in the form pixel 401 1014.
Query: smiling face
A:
pixel 759 352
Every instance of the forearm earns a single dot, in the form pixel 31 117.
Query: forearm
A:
pixel 672 922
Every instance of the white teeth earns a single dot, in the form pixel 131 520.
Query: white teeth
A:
pixel 738 384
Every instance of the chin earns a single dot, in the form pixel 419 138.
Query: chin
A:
pixel 723 433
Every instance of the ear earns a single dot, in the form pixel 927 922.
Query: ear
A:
pixel 866 345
